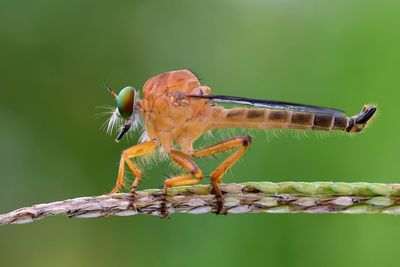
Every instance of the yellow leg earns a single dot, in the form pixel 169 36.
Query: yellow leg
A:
pixel 194 176
pixel 127 154
pixel 216 176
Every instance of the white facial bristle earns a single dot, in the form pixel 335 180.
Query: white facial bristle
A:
pixel 115 122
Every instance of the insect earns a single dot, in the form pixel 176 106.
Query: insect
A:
pixel 176 110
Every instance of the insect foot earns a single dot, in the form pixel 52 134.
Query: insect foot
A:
pixel 219 208
pixel 164 213
pixel 131 199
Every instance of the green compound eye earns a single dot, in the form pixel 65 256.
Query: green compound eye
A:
pixel 125 101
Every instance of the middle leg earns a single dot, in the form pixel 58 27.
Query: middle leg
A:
pixel 194 176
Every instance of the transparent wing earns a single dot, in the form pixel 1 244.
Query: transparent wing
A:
pixel 271 104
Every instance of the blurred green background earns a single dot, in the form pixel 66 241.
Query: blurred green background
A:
pixel 55 55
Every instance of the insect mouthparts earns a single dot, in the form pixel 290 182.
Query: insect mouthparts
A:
pixel 122 132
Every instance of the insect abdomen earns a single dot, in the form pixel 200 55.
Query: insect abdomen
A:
pixel 301 120
pixel 286 119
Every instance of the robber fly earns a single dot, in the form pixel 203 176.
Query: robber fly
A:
pixel 177 109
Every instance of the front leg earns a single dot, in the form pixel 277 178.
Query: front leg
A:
pixel 127 154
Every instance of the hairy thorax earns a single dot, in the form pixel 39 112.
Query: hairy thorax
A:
pixel 169 115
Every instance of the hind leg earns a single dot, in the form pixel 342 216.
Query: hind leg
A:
pixel 243 142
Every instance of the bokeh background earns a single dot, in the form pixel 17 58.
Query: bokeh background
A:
pixel 56 54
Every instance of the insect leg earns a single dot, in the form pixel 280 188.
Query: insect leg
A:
pixel 194 176
pixel 127 154
pixel 216 176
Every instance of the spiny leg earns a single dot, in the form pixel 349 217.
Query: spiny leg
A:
pixel 216 176
pixel 194 176
pixel 127 154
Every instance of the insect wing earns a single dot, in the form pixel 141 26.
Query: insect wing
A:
pixel 271 104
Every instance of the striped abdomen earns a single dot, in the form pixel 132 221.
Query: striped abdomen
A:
pixel 270 118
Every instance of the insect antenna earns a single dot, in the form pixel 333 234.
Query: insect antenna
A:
pixel 109 89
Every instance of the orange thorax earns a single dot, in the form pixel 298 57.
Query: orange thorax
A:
pixel 169 115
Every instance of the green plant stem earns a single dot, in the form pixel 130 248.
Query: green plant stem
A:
pixel 254 197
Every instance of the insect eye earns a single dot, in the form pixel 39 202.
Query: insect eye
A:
pixel 125 101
